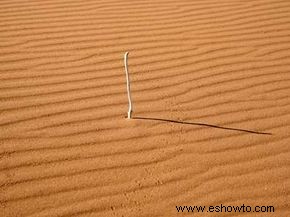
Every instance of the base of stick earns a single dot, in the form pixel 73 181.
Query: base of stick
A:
pixel 129 115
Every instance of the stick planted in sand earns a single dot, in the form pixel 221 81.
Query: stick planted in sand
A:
pixel 128 85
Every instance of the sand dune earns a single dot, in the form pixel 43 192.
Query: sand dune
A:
pixel 210 87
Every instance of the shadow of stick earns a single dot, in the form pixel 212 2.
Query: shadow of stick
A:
pixel 200 124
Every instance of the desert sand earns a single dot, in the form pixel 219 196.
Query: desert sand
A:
pixel 210 82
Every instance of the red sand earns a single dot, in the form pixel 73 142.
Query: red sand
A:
pixel 66 148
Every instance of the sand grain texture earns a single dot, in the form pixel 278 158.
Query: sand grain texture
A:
pixel 210 87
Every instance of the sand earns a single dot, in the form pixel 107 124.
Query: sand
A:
pixel 210 85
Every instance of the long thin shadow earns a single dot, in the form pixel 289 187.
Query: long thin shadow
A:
pixel 200 124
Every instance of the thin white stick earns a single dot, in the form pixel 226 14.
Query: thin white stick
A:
pixel 128 85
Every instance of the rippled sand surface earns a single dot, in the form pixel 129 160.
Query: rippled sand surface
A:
pixel 210 82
